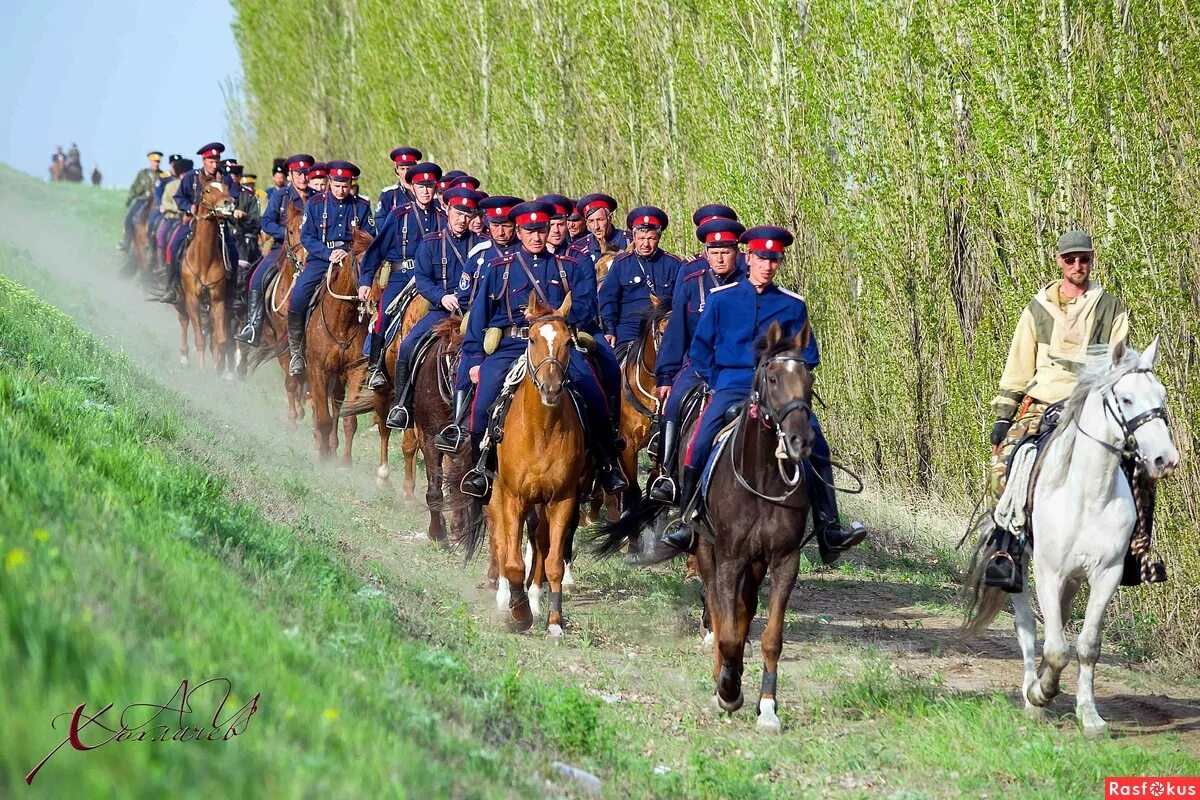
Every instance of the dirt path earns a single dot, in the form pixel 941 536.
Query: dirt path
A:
pixel 870 603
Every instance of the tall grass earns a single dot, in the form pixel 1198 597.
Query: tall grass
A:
pixel 927 154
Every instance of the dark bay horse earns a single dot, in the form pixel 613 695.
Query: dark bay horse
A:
pixel 333 347
pixel 758 523
pixel 433 397
pixel 639 402
pixel 540 465
pixel 201 302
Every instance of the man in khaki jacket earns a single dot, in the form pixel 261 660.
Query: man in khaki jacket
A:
pixel 1049 348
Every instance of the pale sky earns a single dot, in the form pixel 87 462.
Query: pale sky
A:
pixel 120 78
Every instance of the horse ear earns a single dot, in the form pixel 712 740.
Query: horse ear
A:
pixel 534 308
pixel 1118 352
pixel 803 337
pixel 565 308
pixel 774 334
pixel 1149 355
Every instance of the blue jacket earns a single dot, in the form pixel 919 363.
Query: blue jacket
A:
pixel 442 266
pixel 505 288
pixel 389 198
pixel 687 303
pixel 329 221
pixel 735 318
pixel 404 228
pixel 625 294
pixel 191 188
pixel 274 218
pixel 588 249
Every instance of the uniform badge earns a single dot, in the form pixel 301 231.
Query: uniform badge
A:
pixel 464 282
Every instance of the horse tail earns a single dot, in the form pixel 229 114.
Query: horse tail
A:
pixel 613 534
pixel 983 602
pixel 261 355
pixel 361 403
pixel 474 525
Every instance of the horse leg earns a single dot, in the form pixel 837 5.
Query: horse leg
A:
pixel 322 422
pixel 184 321
pixel 1056 653
pixel 1102 586
pixel 222 352
pixel 783 580
pixel 730 649
pixel 1026 625
pixel 708 618
pixel 561 519
pixel 433 489
pixel 349 424
pixel 383 474
pixel 568 580
pixel 538 530
pixel 408 444
pixel 511 518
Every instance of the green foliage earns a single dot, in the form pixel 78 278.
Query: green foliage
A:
pixel 926 154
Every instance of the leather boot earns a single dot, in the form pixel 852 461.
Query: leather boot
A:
pixel 681 535
pixel 376 375
pixel 254 318
pixel 450 438
pixel 608 469
pixel 654 443
pixel 1004 569
pixel 476 482
pixel 400 417
pixel 663 490
pixel 295 325
pixel 832 538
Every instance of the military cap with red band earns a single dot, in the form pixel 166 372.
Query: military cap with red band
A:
pixel 318 170
pixel 498 208
pixel 591 203
pixel 405 155
pixel 211 150
pixel 300 162
pixel 533 215
pixel 342 170
pixel 462 198
pixel 767 241
pixel 425 172
pixel 713 211
pixel 562 204
pixel 720 231
pixel 649 217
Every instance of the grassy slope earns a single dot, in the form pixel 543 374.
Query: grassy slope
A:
pixel 177 546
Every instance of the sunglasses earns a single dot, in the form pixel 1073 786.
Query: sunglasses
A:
pixel 1084 260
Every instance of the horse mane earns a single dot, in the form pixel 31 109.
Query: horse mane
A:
pixel 1100 373
pixel 653 314
pixel 449 328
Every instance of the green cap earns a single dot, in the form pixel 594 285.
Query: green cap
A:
pixel 1074 242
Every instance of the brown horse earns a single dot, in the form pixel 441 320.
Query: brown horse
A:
pixel 333 346
pixel 277 299
pixel 757 525
pixel 540 466
pixel 201 302
pixel 142 256
pixel 433 397
pixel 639 403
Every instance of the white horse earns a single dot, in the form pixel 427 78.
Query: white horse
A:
pixel 1083 518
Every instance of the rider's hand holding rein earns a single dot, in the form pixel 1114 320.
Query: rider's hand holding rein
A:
pixel 663 393
pixel 337 256
pixel 364 293
pixel 450 303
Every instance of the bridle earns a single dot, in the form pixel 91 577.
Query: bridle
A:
pixel 549 359
pixel 1128 448
pixel 771 418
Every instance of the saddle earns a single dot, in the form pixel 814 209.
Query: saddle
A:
pixel 1142 565
pixel 397 309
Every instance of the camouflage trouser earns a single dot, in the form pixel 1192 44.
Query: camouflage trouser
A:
pixel 1029 416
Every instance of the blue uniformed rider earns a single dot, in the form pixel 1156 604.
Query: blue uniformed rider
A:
pixel 674 374
pixel 399 234
pixel 645 272
pixel 399 192
pixel 597 210
pixel 442 272
pixel 274 222
pixel 500 302
pixel 737 315
pixel 327 233
pixel 702 215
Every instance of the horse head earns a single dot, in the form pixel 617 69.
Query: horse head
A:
pixel 782 395
pixel 216 200
pixel 1135 411
pixel 549 349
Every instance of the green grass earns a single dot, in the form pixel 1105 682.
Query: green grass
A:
pixel 145 540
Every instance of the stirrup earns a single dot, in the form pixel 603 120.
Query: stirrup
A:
pixel 450 439
pixel 247 335
pixel 377 379
pixel 297 365
pixel 399 418
pixel 476 483
pixel 664 490
pixel 673 537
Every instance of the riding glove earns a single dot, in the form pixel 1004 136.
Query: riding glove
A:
pixel 999 431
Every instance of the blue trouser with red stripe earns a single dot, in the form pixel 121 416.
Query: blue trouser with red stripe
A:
pixel 496 366
pixel 397 280
pixel 683 383
pixel 713 419
pixel 408 345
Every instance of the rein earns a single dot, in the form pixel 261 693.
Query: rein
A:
pixel 635 390
pixel 771 419
pixel 1129 446
pixel 549 359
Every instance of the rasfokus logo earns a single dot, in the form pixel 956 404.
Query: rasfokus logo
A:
pixel 1152 787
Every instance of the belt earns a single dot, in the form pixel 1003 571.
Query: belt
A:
pixel 336 243
pixel 516 331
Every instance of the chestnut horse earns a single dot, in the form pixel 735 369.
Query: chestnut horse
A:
pixel 201 302
pixel 276 297
pixel 758 524
pixel 540 466
pixel 333 346
pixel 639 403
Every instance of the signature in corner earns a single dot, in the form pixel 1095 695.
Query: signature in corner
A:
pixel 147 722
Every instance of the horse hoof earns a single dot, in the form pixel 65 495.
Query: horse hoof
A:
pixel 383 473
pixel 730 706
pixel 520 618
pixel 229 377
pixel 1095 731
pixel 768 721
pixel 183 361
pixel 568 581
pixel 1035 696
pixel 554 633
pixel 1035 713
